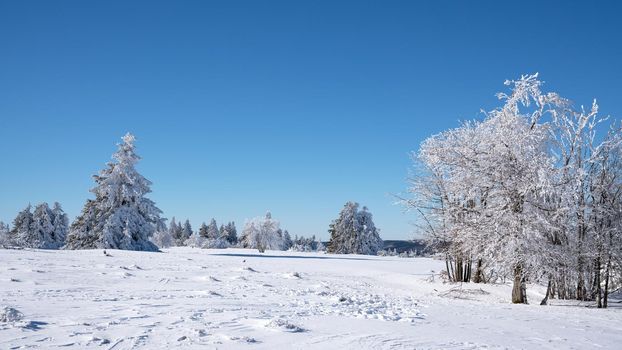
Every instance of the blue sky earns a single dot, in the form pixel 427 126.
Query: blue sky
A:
pixel 291 106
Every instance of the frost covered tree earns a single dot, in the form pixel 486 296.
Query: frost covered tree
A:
pixel 354 232
pixel 4 235
pixel 287 240
pixel 175 230
pixel 231 233
pixel 163 237
pixel 518 194
pixel 261 233
pixel 60 223
pixel 186 232
pixel 43 229
pixel 216 239
pixel 203 232
pixel 196 240
pixel 490 179
pixel 212 230
pixel 120 216
pixel 21 234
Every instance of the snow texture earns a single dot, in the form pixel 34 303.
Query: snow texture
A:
pixel 238 299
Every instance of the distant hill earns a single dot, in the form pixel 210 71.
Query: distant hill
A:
pixel 400 246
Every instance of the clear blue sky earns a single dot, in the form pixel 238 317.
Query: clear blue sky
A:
pixel 292 106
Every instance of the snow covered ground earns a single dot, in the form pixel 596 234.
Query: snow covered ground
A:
pixel 237 298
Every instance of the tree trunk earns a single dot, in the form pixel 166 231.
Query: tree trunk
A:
pixel 519 290
pixel 597 287
pixel 458 272
pixel 606 296
pixel 581 290
pixel 448 266
pixel 549 289
pixel 467 275
pixel 478 278
pixel 553 288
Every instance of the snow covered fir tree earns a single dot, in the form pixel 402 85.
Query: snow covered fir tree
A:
pixel 230 232
pixel 45 228
pixel 120 216
pixel 354 232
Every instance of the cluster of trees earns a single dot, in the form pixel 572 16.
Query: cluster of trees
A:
pixel 532 193
pixel 208 236
pixel 44 228
pixel 302 244
pixel 354 232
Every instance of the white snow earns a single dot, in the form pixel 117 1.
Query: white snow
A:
pixel 238 298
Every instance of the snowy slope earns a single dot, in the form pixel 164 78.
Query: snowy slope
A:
pixel 236 298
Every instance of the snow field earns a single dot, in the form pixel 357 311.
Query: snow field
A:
pixel 238 298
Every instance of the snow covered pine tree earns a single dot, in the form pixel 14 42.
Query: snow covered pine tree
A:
pixel 120 216
pixel 354 232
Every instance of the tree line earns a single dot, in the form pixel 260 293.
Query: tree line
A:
pixel 121 216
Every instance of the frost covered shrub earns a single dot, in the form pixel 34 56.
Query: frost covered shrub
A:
pixel 262 233
pixel 163 239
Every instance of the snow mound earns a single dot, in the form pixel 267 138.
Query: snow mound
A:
pixel 285 325
pixel 9 314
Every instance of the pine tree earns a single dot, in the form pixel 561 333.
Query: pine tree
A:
pixel 287 240
pixel 60 222
pixel 4 235
pixel 186 231
pixel 203 231
pixel 42 228
pixel 370 242
pixel 175 230
pixel 231 233
pixel 212 230
pixel 120 216
pixel 21 233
